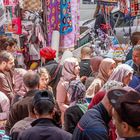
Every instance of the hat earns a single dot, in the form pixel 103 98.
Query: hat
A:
pixel 44 95
pixel 48 53
pixel 127 105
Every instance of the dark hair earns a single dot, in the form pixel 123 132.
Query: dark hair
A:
pixel 5 56
pixel 44 102
pixel 11 41
pixel 31 79
pixel 5 42
pixel 135 38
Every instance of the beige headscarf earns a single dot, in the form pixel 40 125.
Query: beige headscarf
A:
pixel 104 69
pixel 101 78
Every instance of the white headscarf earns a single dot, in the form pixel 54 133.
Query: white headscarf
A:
pixel 120 72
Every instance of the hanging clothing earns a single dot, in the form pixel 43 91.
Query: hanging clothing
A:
pixel 107 2
pixel 51 15
pixel 124 6
pixel 134 8
pixel 65 17
pixel 69 40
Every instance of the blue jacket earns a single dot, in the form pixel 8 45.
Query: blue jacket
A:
pixel 93 125
pixel 136 77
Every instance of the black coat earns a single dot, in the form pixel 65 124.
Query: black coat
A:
pixel 51 67
pixel 44 129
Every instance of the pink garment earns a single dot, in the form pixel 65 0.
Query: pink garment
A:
pixel 62 97
pixel 70 40
pixel 19 87
pixel 52 14
pixel 68 69
pixel 5 105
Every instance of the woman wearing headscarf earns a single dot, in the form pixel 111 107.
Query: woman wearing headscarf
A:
pixel 94 64
pixel 47 58
pixel 123 73
pixel 105 70
pixel 70 89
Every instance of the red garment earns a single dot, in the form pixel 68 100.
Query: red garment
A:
pixel 48 53
pixel 96 99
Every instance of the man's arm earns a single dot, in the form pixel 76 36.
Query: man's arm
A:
pixel 4 86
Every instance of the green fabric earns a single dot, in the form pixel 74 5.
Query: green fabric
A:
pixel 83 107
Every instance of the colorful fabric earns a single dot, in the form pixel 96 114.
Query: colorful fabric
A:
pixel 134 7
pixel 3 136
pixel 124 8
pixel 76 91
pixel 111 84
pixel 2 14
pixel 65 17
pixel 107 2
pixel 48 53
pixel 69 40
pixel 138 7
pixel 32 5
pixel 51 17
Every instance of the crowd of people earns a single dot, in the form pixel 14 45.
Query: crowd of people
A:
pixel 91 99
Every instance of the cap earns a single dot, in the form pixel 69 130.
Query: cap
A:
pixel 43 95
pixel 127 105
pixel 48 53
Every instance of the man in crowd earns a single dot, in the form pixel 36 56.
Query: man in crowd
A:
pixel 85 69
pixel 94 123
pixel 6 76
pixel 135 64
pixel 126 113
pixel 19 110
pixel 44 127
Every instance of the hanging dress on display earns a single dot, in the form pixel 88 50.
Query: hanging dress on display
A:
pixel 69 38
pixel 65 17
pixel 124 6
pixel 51 17
pixel 134 5
pixel 107 2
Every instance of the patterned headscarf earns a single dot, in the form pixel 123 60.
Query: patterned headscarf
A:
pixel 120 72
pixel 68 69
pixel 48 53
pixel 110 85
pixel 104 68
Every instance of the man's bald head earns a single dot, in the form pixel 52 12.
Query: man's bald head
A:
pixel 86 52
